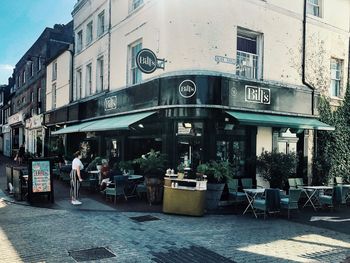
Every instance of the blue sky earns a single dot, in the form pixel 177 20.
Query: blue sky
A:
pixel 22 22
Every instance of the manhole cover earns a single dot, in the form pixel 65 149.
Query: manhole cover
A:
pixel 91 254
pixel 191 254
pixel 144 218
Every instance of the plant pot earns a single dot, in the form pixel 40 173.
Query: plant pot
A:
pixel 154 190
pixel 213 195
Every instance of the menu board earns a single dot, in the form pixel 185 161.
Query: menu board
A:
pixel 41 181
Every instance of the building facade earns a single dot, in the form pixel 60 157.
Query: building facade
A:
pixel 223 85
pixel 28 102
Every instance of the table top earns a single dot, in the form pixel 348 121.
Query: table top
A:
pixel 94 172
pixel 318 187
pixel 134 177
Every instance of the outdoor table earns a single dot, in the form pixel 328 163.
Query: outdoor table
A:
pixel 313 194
pixel 94 174
pixel 133 179
pixel 251 194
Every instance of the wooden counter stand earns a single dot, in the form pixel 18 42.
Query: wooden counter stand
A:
pixel 188 198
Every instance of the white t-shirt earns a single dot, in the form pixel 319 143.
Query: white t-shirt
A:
pixel 77 163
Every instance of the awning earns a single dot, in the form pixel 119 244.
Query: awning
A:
pixel 107 124
pixel 263 119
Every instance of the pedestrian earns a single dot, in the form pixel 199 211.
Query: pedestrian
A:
pixel 21 153
pixel 75 178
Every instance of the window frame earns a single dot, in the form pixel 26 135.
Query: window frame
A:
pixel 54 70
pixel 259 37
pixel 310 8
pixel 89 33
pixel 339 69
pixel 79 41
pixel 135 5
pixel 54 96
pixel 100 74
pixel 133 70
pixel 79 84
pixel 89 79
pixel 101 23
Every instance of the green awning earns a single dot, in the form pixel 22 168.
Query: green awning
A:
pixel 116 123
pixel 269 120
pixel 72 129
pixel 107 124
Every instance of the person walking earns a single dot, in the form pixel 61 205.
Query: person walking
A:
pixel 20 155
pixel 75 178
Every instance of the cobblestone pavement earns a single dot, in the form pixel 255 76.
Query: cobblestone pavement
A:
pixel 31 234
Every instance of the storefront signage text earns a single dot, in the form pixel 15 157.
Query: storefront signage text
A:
pixel 187 88
pixel 34 122
pixel 148 62
pixel 110 103
pixel 257 94
pixel 221 59
pixel 18 117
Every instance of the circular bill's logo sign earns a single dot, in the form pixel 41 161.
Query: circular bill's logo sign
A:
pixel 146 61
pixel 187 88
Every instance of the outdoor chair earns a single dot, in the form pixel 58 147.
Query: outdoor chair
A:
pixel 120 182
pixel 247 183
pixel 271 203
pixel 299 182
pixel 339 180
pixel 291 201
pixel 345 191
pixel 332 200
pixel 233 190
pixel 141 189
pixel 292 183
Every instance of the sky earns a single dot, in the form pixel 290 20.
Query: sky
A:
pixel 22 22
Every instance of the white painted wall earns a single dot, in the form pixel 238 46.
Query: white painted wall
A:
pixel 63 80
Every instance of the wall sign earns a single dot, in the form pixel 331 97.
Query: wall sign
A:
pixel 187 88
pixel 110 103
pixel 148 62
pixel 221 59
pixel 257 94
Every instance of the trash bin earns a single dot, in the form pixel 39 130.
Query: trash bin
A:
pixel 19 183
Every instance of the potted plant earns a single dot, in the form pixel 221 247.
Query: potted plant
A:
pixel 153 166
pixel 277 167
pixel 95 164
pixel 126 167
pixel 217 174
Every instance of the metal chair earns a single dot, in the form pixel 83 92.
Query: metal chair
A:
pixel 291 201
pixel 120 182
pixel 233 190
pixel 345 194
pixel 292 183
pixel 332 200
pixel 271 203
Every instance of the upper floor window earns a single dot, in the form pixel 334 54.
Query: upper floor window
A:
pixel 39 64
pixel 89 33
pixel 31 69
pixel 88 79
pixel 54 70
pixel 54 96
pixel 32 96
pixel 248 57
pixel 100 74
pixel 336 77
pixel 24 77
pixel 134 4
pixel 101 23
pixel 19 81
pixel 79 41
pixel 135 75
pixel 314 7
pixel 79 84
pixel 39 94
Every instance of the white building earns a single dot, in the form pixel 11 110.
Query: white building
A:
pixel 240 64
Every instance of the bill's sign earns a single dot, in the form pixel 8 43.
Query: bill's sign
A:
pixel 257 94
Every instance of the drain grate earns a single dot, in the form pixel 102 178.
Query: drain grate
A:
pixel 144 218
pixel 330 255
pixel 91 254
pixel 191 254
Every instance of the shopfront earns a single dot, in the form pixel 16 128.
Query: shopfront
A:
pixel 16 122
pixel 195 118
pixel 35 135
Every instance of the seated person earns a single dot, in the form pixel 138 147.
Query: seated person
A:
pixel 104 175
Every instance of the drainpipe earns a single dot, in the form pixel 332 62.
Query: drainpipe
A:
pixel 71 51
pixel 109 44
pixel 304 62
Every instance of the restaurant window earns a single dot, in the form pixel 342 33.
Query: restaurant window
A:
pixel 101 23
pixel 314 8
pixel 336 77
pixel 54 70
pixel 89 33
pixel 248 56
pixel 134 4
pixel 100 74
pixel 135 75
pixel 89 79
pixel 79 41
pixel 54 96
pixel 287 141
